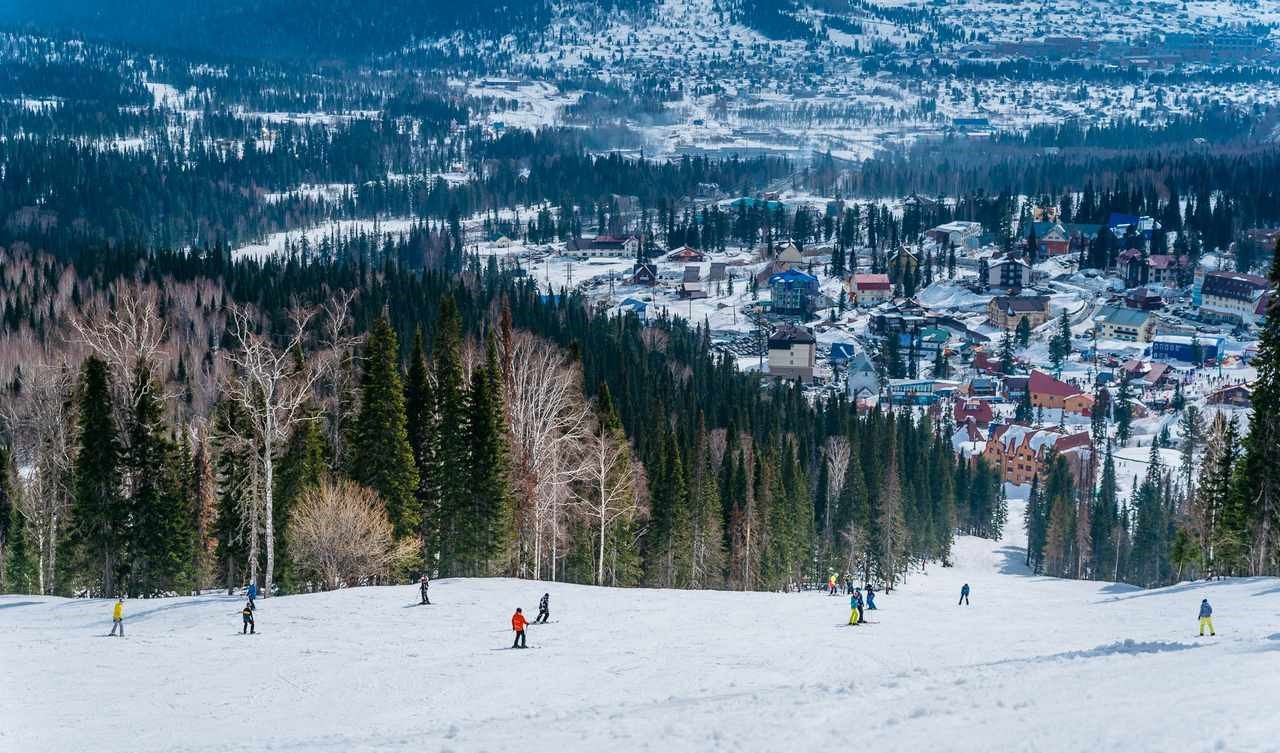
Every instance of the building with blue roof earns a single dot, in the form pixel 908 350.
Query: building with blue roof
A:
pixel 793 293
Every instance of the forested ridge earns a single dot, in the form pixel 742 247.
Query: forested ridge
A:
pixel 138 455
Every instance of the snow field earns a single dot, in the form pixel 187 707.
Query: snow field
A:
pixel 1035 664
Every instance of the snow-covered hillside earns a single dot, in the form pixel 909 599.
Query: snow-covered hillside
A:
pixel 1035 664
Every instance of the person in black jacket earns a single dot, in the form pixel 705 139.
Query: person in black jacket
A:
pixel 544 613
pixel 423 585
pixel 247 615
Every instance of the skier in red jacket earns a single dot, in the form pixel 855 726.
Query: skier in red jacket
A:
pixel 518 623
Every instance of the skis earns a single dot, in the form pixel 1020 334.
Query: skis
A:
pixel 514 648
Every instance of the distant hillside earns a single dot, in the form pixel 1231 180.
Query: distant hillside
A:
pixel 275 28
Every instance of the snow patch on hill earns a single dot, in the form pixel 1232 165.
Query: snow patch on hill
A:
pixel 1034 664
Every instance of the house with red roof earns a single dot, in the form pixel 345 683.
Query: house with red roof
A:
pixel 1049 393
pixel 868 290
pixel 1021 452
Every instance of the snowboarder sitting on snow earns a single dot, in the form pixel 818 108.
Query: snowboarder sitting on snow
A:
pixel 253 593
pixel 1206 617
pixel 855 609
pixel 423 585
pixel 964 595
pixel 544 613
pixel 117 617
pixel 871 597
pixel 518 623
pixel 246 615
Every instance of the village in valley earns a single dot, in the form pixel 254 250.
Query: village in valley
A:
pixel 1020 348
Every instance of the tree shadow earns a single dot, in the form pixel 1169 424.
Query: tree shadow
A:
pixel 12 604
pixel 1269 591
pixel 1196 585
pixel 1015 561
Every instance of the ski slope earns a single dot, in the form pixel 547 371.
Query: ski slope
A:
pixel 1034 664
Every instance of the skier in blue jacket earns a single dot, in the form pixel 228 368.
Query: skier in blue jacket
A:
pixel 871 597
pixel 253 593
pixel 964 595
pixel 1206 618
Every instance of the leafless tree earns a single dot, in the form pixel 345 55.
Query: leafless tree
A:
pixel 340 532
pixel 130 334
pixel 547 416
pixel 607 494
pixel 41 425
pixel 335 362
pixel 837 458
pixel 272 387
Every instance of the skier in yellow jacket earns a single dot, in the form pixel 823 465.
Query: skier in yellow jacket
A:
pixel 117 617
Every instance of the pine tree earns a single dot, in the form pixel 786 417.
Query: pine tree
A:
pixel 489 472
pixel 1060 344
pixel 450 455
pixel 1150 527
pixel 94 555
pixel 19 564
pixel 1104 518
pixel 1123 410
pixel 381 457
pixel 892 525
pixel 1023 331
pixel 160 535
pixel 419 406
pixel 1006 353
pixel 1261 470
pixel 7 510
pixel 1035 523
pixel 236 473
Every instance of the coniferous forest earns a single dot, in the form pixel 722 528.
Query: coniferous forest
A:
pixel 182 422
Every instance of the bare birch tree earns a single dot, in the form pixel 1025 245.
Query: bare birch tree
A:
pixel 41 424
pixel 547 416
pixel 837 459
pixel 607 494
pixel 272 387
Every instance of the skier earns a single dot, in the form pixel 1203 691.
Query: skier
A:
pixel 246 615
pixel 964 595
pixel 848 585
pixel 518 623
pixel 253 592
pixel 871 597
pixel 855 614
pixel 862 608
pixel 544 613
pixel 423 584
pixel 117 617
pixel 831 585
pixel 1206 618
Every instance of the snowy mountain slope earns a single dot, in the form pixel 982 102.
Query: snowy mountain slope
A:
pixel 1035 664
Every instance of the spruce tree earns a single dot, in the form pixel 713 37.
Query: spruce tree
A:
pixel 94 556
pixel 489 471
pixel 1261 469
pixel 419 406
pixel 161 533
pixel 450 454
pixel 1023 331
pixel 235 469
pixel 381 457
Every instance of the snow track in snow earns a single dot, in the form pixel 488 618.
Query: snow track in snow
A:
pixel 1034 664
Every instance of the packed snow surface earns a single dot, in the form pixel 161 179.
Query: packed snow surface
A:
pixel 1034 664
